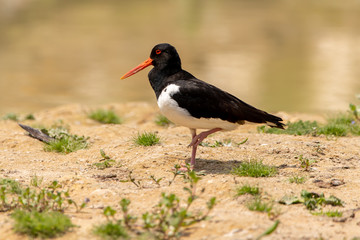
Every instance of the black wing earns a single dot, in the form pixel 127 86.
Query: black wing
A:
pixel 203 100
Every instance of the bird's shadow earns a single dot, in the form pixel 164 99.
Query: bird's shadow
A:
pixel 216 166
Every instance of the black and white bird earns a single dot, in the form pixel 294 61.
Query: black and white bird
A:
pixel 190 102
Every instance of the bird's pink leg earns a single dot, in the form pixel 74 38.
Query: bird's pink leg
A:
pixel 193 151
pixel 183 166
pixel 196 140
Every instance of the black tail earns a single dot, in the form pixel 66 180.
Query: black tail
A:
pixel 258 116
pixel 274 121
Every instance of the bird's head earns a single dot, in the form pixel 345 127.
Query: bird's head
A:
pixel 162 56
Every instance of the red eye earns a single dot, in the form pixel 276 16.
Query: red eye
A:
pixel 158 51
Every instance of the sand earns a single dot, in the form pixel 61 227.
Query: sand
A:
pixel 22 157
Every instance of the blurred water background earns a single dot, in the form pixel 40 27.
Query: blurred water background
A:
pixel 280 55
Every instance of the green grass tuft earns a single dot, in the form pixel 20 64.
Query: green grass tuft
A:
pixel 30 116
pixel 162 121
pixel 254 168
pixel 11 116
pixel 259 205
pixel 337 130
pixel 339 126
pixel 295 128
pixel 146 139
pixel 297 179
pixel 329 213
pixel 247 189
pixel 64 141
pixel 111 231
pixel 105 116
pixel 44 224
pixel 67 144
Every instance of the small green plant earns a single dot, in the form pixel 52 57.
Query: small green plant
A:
pixel 146 139
pixel 156 180
pixel 242 142
pixel 10 186
pixel 41 224
pixel 64 142
pixel 319 149
pixel 329 213
pixel 260 205
pixel 305 162
pixel 254 168
pixel 29 116
pixel 269 231
pixel 11 116
pixel 38 211
pixel 162 121
pixel 355 110
pixel 297 179
pixel 105 116
pixel 35 198
pixel 134 181
pixel 312 200
pixel 247 189
pixel 105 162
pixel 166 221
pixel 111 230
pixel 176 172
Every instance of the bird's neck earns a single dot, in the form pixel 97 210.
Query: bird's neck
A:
pixel 160 77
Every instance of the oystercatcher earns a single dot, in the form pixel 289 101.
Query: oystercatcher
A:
pixel 190 102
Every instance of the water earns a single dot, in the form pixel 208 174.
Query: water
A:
pixel 295 56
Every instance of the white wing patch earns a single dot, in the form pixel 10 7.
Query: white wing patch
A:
pixel 180 116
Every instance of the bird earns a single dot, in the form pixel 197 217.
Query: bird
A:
pixel 190 102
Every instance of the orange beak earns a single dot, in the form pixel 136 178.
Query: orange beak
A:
pixel 143 65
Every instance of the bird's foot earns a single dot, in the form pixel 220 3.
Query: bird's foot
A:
pixel 197 140
pixel 201 136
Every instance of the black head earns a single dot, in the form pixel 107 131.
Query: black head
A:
pixel 165 55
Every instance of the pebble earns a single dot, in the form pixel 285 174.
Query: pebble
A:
pixel 232 232
pixel 98 206
pixel 336 182
pixel 102 193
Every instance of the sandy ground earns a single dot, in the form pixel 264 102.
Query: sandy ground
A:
pixel 22 157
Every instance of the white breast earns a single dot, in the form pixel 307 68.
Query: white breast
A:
pixel 180 116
